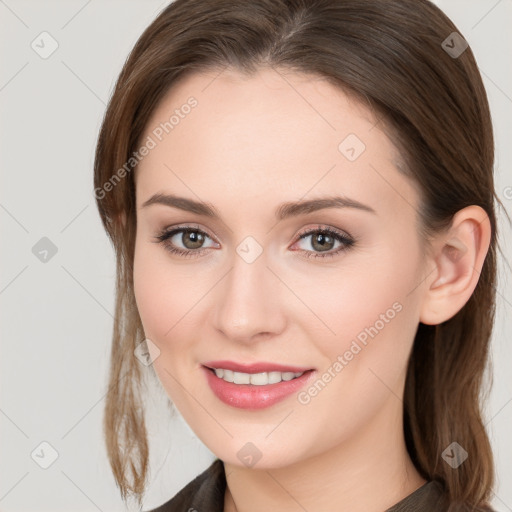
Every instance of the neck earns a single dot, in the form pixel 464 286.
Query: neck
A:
pixel 368 472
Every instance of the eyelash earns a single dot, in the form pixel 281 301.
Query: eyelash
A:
pixel 165 235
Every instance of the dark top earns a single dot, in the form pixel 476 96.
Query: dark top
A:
pixel 206 494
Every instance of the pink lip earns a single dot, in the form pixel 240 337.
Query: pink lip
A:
pixel 249 396
pixel 254 367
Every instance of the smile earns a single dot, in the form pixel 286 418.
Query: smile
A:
pixel 254 390
pixel 256 379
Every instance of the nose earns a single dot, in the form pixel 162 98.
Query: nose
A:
pixel 248 303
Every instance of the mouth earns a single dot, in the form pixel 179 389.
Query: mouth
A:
pixel 254 386
pixel 256 379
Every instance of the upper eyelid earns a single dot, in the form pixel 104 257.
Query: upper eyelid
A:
pixel 323 227
pixel 316 227
pixel 300 235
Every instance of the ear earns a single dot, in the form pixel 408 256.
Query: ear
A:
pixel 458 256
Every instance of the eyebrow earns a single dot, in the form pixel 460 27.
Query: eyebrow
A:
pixel 284 211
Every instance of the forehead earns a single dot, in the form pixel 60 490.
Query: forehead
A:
pixel 275 130
pixel 279 106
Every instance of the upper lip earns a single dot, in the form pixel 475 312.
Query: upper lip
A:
pixel 259 367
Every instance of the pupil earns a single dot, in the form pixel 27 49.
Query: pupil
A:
pixel 194 238
pixel 322 240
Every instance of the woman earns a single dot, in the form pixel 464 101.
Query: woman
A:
pixel 300 195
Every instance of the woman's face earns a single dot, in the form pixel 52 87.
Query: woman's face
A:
pixel 341 306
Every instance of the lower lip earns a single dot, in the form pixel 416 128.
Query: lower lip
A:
pixel 249 396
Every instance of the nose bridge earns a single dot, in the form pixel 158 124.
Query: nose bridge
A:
pixel 248 299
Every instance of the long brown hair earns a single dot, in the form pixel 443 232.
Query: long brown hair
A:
pixel 390 54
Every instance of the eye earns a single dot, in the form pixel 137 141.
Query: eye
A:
pixel 190 237
pixel 324 239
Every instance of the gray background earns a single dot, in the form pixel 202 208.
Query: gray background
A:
pixel 57 314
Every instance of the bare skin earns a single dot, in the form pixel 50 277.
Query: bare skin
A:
pixel 249 145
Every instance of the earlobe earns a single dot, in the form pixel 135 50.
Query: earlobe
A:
pixel 458 259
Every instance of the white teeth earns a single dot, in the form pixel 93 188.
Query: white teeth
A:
pixel 228 375
pixel 241 378
pixel 257 379
pixel 274 377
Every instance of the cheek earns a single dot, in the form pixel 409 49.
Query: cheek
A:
pixel 167 295
pixel 162 296
pixel 374 317
pixel 372 307
pixel 158 293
